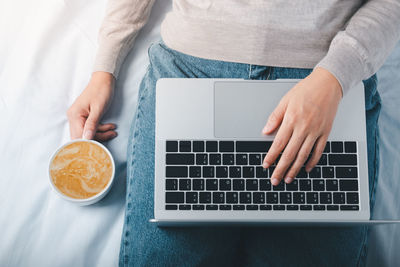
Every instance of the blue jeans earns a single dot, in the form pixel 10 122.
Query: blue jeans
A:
pixel 144 244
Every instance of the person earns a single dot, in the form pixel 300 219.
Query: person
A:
pixel 329 45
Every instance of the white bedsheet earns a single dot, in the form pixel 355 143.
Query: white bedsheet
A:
pixel 46 52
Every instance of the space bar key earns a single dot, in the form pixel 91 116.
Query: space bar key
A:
pixel 253 146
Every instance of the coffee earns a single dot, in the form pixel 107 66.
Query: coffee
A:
pixel 81 169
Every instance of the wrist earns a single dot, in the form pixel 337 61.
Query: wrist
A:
pixel 102 77
pixel 329 80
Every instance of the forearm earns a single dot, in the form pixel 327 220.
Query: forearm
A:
pixel 121 24
pixel 361 48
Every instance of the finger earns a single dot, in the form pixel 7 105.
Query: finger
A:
pixel 287 158
pixel 76 125
pixel 317 152
pixel 105 127
pixel 105 136
pixel 91 123
pixel 279 143
pixel 275 119
pixel 301 158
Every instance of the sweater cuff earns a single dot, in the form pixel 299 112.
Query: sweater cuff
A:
pixel 344 62
pixel 108 58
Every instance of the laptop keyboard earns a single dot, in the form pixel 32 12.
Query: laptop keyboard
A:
pixel 227 175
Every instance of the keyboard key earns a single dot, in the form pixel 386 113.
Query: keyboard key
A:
pixel 226 146
pixel 251 207
pixel 348 185
pixel 225 185
pixel 235 172
pixel 191 197
pixel 272 197
pixel 305 207
pixel 211 146
pixel 248 172
pixel 332 207
pixel 198 207
pixel 323 160
pixel 175 171
pixel 172 146
pixel 228 159
pixel 174 197
pixel 179 159
pixel 342 159
pixel 337 147
pixel 265 207
pixel 278 207
pixel 221 172
pixel 185 207
pixel 208 171
pixel 325 198
pixel 285 197
pixel 318 185
pixel 271 170
pixel 253 146
pixel 198 184
pixel 261 172
pixel 238 207
pixel 241 159
pixel 349 207
pixel 185 146
pixel 327 147
pixel 350 147
pixel 218 197
pixel 201 159
pixel 318 207
pixel 346 172
pixel 293 186
pixel 205 197
pixel 194 171
pixel 299 198
pixel 302 173
pixel 331 185
pixel 292 207
pixel 258 197
pixel 245 197
pixel 198 146
pixel 338 198
pixel 328 172
pixel 171 207
pixel 279 187
pixel 212 184
pixel 171 184
pixel 211 207
pixel 352 198
pixel 184 184
pixel 251 184
pixel 315 172
pixel 225 207
pixel 305 185
pixel 255 159
pixel 265 185
pixel 312 197
pixel 238 184
pixel 215 159
pixel 232 197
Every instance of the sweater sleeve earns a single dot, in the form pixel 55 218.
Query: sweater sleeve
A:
pixel 120 26
pixel 358 51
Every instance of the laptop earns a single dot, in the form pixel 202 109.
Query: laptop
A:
pixel 209 149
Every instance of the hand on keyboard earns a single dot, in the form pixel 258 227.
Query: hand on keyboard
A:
pixel 304 117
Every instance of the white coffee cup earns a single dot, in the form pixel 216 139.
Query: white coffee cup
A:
pixel 98 196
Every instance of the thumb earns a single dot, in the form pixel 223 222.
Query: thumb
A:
pixel 275 118
pixel 91 124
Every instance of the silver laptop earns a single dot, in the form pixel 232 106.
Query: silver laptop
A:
pixel 209 149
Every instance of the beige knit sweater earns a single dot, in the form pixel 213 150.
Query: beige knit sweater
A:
pixel 350 38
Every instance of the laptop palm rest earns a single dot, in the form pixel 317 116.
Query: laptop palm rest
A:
pixel 241 111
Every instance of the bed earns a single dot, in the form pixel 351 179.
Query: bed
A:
pixel 46 53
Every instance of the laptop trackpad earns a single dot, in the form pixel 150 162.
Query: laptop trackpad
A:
pixel 241 108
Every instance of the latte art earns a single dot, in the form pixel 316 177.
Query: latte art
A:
pixel 81 170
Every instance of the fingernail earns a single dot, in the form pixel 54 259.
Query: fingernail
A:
pixel 288 180
pixel 87 134
pixel 274 181
pixel 308 169
pixel 115 134
pixel 267 128
pixel 265 165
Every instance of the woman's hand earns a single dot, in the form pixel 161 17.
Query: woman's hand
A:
pixel 85 113
pixel 305 116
